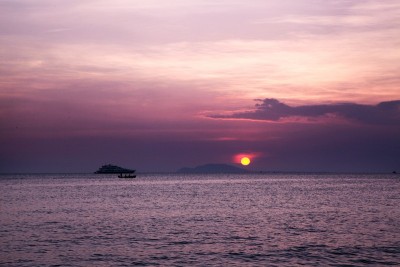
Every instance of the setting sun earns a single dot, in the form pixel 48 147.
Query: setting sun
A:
pixel 245 161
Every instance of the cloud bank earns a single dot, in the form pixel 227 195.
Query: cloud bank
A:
pixel 273 110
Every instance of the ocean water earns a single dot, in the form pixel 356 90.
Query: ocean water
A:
pixel 200 220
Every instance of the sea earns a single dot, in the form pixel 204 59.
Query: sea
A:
pixel 266 219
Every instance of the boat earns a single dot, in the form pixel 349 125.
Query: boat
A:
pixel 109 168
pixel 126 176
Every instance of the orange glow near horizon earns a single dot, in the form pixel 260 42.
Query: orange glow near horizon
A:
pixel 242 158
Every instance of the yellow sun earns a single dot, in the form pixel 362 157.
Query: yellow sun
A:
pixel 245 161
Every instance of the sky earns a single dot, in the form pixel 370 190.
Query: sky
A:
pixel 305 85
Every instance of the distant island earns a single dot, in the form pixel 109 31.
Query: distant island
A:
pixel 213 168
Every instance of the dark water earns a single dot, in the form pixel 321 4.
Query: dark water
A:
pixel 212 220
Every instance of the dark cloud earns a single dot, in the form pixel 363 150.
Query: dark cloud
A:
pixel 273 110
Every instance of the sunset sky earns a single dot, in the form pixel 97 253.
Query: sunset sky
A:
pixel 305 85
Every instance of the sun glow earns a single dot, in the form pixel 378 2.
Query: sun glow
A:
pixel 246 158
pixel 245 161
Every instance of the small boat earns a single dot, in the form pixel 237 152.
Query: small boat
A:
pixel 126 176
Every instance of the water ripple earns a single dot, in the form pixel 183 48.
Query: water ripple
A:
pixel 243 220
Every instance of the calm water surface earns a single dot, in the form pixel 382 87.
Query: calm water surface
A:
pixel 200 220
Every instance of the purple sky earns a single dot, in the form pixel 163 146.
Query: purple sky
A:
pixel 305 85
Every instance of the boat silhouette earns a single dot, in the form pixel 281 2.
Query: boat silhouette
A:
pixel 109 168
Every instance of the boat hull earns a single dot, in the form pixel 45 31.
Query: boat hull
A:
pixel 127 176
